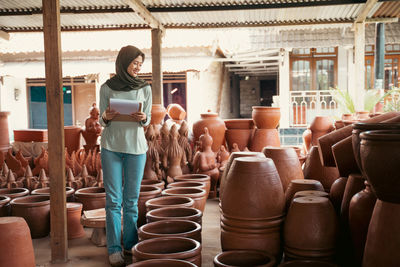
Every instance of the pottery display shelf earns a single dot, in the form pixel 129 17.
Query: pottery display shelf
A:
pixel 96 219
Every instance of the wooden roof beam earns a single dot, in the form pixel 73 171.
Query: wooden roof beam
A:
pixel 4 35
pixel 244 59
pixel 145 14
pixel 365 10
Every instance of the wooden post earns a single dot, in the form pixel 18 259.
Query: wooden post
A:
pixel 358 92
pixel 157 82
pixel 55 125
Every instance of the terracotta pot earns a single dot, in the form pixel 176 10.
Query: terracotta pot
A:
pixel 266 117
pixel 147 192
pixel 157 113
pixel 311 193
pixel 313 169
pixel 339 124
pixel 194 184
pixel 320 126
pixel 347 116
pixel 159 184
pixel 195 177
pixel 307 135
pixel 344 157
pixel 326 142
pixel 362 115
pixel 170 228
pixel 31 135
pixel 263 138
pixel 46 192
pixel 4 135
pixel 74 226
pixel 216 128
pixel 168 248
pixel 244 258
pixel 355 183
pixel 91 197
pixel 72 136
pixel 14 192
pixel 378 150
pixel 176 112
pixel 310 230
pixel 4 206
pixel 337 192
pixel 307 263
pixel 198 195
pixel 175 213
pixel 286 162
pixel 169 201
pixel 163 263
pixel 239 123
pixel 301 185
pixel 16 249
pixel 241 137
pixel 36 211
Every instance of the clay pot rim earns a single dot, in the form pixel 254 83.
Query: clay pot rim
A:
pixel 156 201
pixel 192 176
pixel 217 258
pixel 294 262
pixel 200 192
pixel 73 206
pixel 152 190
pixel 157 262
pixel 265 108
pixel 375 126
pixel 311 193
pixel 197 212
pixel 4 200
pixel 278 218
pixel 6 191
pixel 209 115
pixel 194 184
pixel 310 200
pixel 69 191
pixel 381 135
pixel 41 200
pixel 194 227
pixel 81 193
pixel 156 182
pixel 239 124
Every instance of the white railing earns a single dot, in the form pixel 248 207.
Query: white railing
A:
pixel 305 105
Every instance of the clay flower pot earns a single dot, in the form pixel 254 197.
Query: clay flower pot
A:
pixel 163 263
pixel 4 205
pixel 241 137
pixel 194 184
pixel 266 117
pixel 170 228
pixel 16 249
pixel 175 213
pixel 46 192
pixel 239 123
pixel 157 113
pixel 320 126
pixel 215 126
pixel 176 112
pixel 159 184
pixel 36 212
pixel 147 192
pixel 301 185
pixel 307 263
pixel 91 197
pixel 14 192
pixel 74 226
pixel 197 194
pixel 168 248
pixel 195 177
pixel 264 137
pixel 244 258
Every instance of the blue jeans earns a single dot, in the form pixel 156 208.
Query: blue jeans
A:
pixel 121 191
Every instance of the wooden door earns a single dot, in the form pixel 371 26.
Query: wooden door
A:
pixel 84 97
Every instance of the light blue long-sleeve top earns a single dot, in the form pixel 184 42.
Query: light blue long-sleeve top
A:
pixel 125 136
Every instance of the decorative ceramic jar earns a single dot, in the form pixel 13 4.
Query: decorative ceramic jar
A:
pixel 355 183
pixel 266 117
pixel 175 213
pixel 336 193
pixel 72 136
pixel 216 128
pixel 236 258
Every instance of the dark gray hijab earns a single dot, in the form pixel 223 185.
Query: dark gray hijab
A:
pixel 123 81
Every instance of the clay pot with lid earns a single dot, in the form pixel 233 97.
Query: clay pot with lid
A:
pixel 301 185
pixel 194 184
pixel 169 201
pixel 176 112
pixel 216 128
pixel 157 113
pixel 74 226
pixel 264 137
pixel 4 205
pixel 239 123
pixel 36 211
pixel 266 117
pixel 147 192
pixel 46 192
pixel 14 192
pixel 168 248
pixel 234 258
pixel 163 263
pixel 91 197
pixel 159 184
pixel 175 213
pixel 4 134
pixel 197 194
pixel 195 177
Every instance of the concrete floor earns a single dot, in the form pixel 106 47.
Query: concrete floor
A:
pixel 83 253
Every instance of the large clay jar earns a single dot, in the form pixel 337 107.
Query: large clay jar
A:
pixel 239 123
pixel 194 184
pixel 197 194
pixel 336 193
pixel 241 137
pixel 175 213
pixel 163 263
pixel 180 248
pixel 313 169
pixel 320 126
pixel 195 177
pixel 264 137
pixel 4 205
pixel 36 212
pixel 46 192
pixel 4 135
pixel 266 117
pixel 344 157
pixel 307 263
pixel 252 207
pixel 72 136
pixel 244 258
pixel 286 162
pixel 169 201
pixel 301 185
pixel 176 112
pixel 147 192
pixel 159 184
pixel 170 228
pixel 157 113
pixel 310 230
pixel 17 248
pixel 91 197
pixel 216 128
pixel 74 226
pixel 14 192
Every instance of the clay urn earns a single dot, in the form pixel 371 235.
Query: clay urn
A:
pixel 195 184
pixel 74 226
pixel 91 197
pixel 235 258
pixel 157 113
pixel 216 128
pixel 311 193
pixel 17 248
pixel 147 192
pixel 239 124
pixel 4 135
pixel 286 162
pixel 379 153
pixel 163 263
pixel 159 184
pixel 36 211
pixel 169 201
pixel 320 126
pixel 264 137
pixel 14 192
pixel 266 117
pixel 170 228
pixel 180 248
pixel 4 205
pixel 176 112
pixel 307 263
pixel 241 137
pixel 46 192
pixel 311 229
pixel 301 185
pixel 336 193
pixel 197 194
pixel 175 213
pixel 195 177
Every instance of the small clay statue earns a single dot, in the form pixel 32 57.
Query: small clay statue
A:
pixel 152 168
pixel 235 148
pixel 184 143
pixel 42 182
pixel 173 156
pixel 92 129
pixel 222 157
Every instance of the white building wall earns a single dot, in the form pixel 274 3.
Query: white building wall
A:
pixel 342 68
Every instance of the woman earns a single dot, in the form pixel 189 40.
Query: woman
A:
pixel 123 151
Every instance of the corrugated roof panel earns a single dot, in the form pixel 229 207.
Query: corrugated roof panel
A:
pixel 388 10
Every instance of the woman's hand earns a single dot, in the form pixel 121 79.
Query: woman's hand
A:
pixel 109 114
pixel 139 116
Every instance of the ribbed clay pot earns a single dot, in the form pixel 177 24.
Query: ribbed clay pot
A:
pixel 306 263
pixel 170 228
pixel 301 185
pixel 176 112
pixel 46 192
pixel 16 249
pixel 320 126
pixel 234 258
pixel 380 151
pixel 264 137
pixel 36 212
pixel 239 124
pixel 169 201
pixel 168 248
pixel 163 263
pixel 175 213
pixel 344 157
pixel 311 193
pixel 14 192
pixel 159 184
pixel 336 193
pixel 195 177
pixel 310 230
pixel 194 184
pixel 74 226
pixel 4 134
pixel 286 162
pixel 197 194
pixel 216 128
pixel 266 117
pixel 147 192
pixel 91 197
pixel 241 137
pixel 4 206
pixel 157 113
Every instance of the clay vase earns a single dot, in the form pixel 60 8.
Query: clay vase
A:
pixel 91 197
pixel 360 212
pixel 241 137
pixel 286 162
pixel 14 192
pixel 174 213
pixel 307 263
pixel 147 192
pixel 264 137
pixel 169 201
pixel 252 207
pixel 4 206
pixel 36 212
pixel 157 113
pixel 176 112
pixel 195 177
pixel 188 184
pixel 197 194
pixel 320 126
pixel 239 124
pixel 266 117
pixel 180 248
pixel 344 157
pixel 313 169
pixel 159 184
pixel 379 153
pixel 383 239
pixel 336 193
pixel 74 226
pixel 301 185
pixel 310 230
pixel 244 258
pixel 46 192
pixel 311 193
pixel 170 228
pixel 216 128
pixel 17 248
pixel 163 263
pixel 4 135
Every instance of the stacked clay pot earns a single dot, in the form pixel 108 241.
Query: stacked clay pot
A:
pixel 266 120
pixel 215 126
pixel 4 206
pixel 195 177
pixel 147 192
pixel 91 197
pixel 169 201
pixel 197 194
pixel 175 213
pixel 252 207
pixel 194 184
pixel 157 113
pixel 301 185
pixel 234 258
pixel 74 226
pixel 239 131
pixel 310 230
